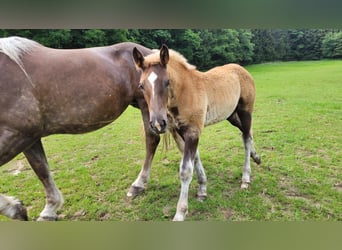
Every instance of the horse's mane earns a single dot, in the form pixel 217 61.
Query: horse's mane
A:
pixel 175 57
pixel 14 47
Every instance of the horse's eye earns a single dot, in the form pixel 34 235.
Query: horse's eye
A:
pixel 141 86
pixel 167 83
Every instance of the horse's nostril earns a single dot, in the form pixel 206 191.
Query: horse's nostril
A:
pixel 163 124
pixel 158 127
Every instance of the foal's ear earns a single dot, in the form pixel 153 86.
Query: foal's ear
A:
pixel 164 55
pixel 138 57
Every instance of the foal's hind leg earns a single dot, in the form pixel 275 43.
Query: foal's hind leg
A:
pixel 243 120
pixel 202 178
pixel 54 199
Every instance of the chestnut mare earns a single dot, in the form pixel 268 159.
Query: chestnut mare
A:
pixel 185 100
pixel 46 91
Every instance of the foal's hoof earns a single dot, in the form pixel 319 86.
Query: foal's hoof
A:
pixel 201 197
pixel 245 185
pixel 135 191
pixel 257 160
pixel 20 212
pixel 179 217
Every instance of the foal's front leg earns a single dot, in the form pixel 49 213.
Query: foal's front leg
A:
pixel 202 178
pixel 186 173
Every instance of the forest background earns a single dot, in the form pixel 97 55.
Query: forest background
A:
pixel 205 48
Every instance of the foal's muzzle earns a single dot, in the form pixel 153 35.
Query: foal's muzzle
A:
pixel 158 125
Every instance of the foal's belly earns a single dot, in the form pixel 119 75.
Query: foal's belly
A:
pixel 221 107
pixel 216 114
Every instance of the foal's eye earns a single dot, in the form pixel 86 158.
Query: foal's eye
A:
pixel 167 83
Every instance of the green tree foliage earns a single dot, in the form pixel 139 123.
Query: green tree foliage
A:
pixel 205 48
pixel 332 45
pixel 187 41
pixel 54 38
pixel 264 45
pixel 151 38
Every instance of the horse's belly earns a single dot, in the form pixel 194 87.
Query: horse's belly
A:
pixel 216 114
pixel 76 119
pixel 220 109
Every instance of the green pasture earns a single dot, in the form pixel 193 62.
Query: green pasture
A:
pixel 297 131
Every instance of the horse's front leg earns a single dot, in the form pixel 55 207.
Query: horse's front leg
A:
pixel 151 141
pixel 54 199
pixel 186 173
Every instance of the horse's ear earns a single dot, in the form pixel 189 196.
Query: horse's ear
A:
pixel 164 55
pixel 138 57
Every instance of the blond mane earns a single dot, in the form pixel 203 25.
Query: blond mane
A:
pixel 175 58
pixel 14 47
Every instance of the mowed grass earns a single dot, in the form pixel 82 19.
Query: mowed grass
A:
pixel 297 131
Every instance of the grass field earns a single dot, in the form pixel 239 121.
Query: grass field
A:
pixel 297 131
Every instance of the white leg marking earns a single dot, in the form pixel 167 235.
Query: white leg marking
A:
pixel 140 182
pixel 246 171
pixel 54 201
pixel 186 172
pixel 202 178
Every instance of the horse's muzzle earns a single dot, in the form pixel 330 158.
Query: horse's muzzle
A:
pixel 158 127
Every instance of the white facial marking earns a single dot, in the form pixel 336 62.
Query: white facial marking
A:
pixel 152 78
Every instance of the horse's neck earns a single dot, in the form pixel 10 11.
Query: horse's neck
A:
pixel 185 82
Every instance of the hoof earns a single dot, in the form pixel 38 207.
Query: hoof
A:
pixel 178 217
pixel 47 218
pixel 245 185
pixel 135 191
pixel 201 197
pixel 21 212
pixel 257 159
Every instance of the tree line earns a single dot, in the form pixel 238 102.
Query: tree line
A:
pixel 205 48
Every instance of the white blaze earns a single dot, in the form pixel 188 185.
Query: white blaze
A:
pixel 152 78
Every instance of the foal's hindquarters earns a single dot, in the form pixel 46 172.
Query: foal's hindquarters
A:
pixel 242 119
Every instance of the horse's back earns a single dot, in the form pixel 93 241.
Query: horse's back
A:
pixel 78 90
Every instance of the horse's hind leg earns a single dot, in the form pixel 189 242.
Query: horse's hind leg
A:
pixel 54 200
pixel 234 119
pixel 243 120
